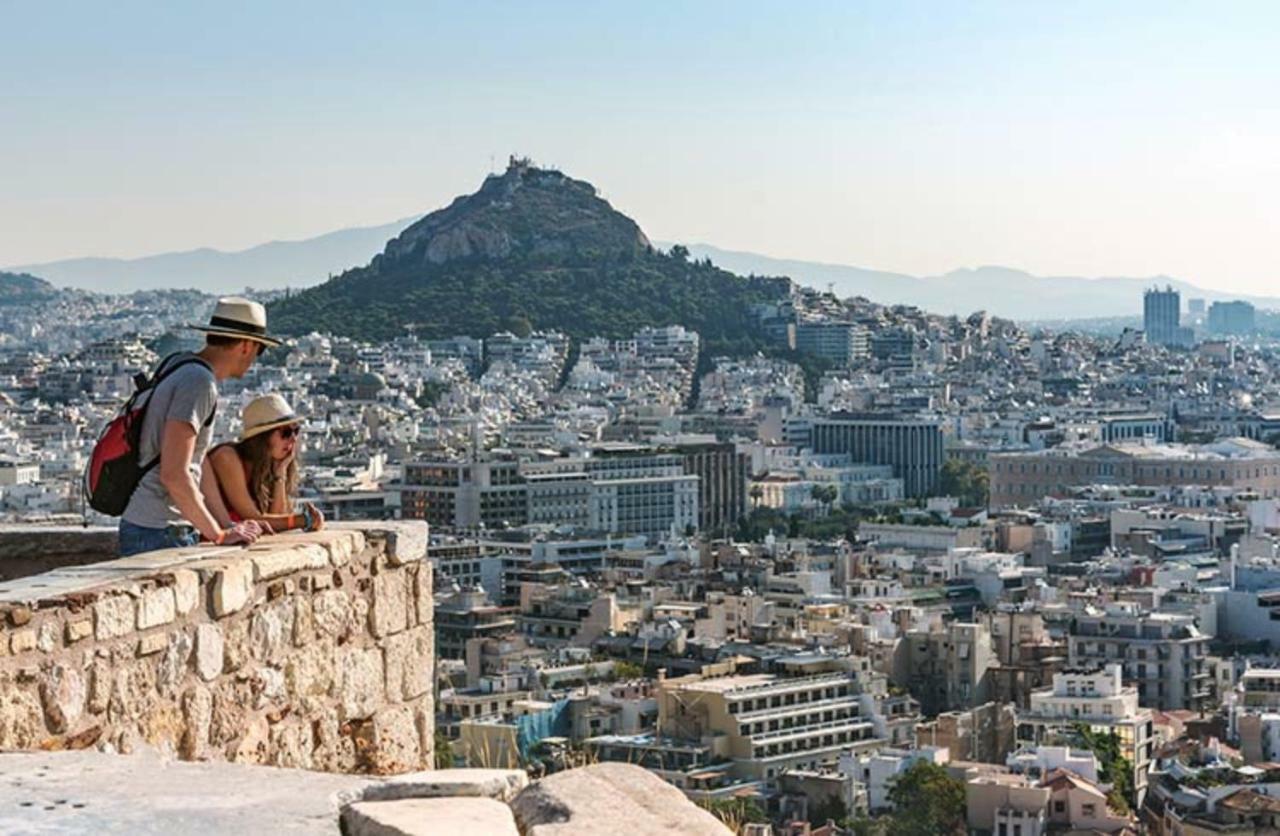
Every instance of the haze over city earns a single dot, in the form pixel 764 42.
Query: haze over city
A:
pixel 1088 139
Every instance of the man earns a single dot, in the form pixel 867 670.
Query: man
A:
pixel 169 508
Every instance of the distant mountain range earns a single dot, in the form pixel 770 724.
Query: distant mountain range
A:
pixel 269 266
pixel 1002 291
pixel 22 288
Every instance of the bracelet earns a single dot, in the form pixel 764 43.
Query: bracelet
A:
pixel 308 517
pixel 291 521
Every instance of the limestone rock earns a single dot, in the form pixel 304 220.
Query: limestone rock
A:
pixel 500 784
pixel 390 603
pixel 209 651
pixel 157 607
pixel 408 664
pixel 113 617
pixel 595 799
pixel 429 817
pixel 186 591
pixel 362 687
pixel 232 587
pixel 63 692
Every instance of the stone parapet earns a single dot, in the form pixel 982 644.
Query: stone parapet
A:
pixel 311 650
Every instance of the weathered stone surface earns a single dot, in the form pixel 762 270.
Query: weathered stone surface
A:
pixel 406 540
pixel 209 651
pixel 390 603
pixel 408 662
pixel 304 623
pixel 310 671
pixel 173 665
pixel 425 601
pixel 232 587
pixel 333 613
pixel 145 795
pixel 253 745
pixel 292 745
pixel 156 608
pixel 272 561
pixel 581 801
pixel 21 720
pixel 186 591
pixel 389 744
pixel 22 641
pixel 47 637
pixel 197 713
pixel 62 691
pixel 235 641
pixel 362 688
pixel 79 630
pixel 429 817
pixel 500 784
pixel 113 617
pixel 154 643
pixel 271 631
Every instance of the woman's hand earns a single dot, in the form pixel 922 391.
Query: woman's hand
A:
pixel 315 519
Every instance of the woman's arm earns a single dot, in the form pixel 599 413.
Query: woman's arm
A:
pixel 229 471
pixel 280 503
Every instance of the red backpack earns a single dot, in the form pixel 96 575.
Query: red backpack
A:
pixel 115 468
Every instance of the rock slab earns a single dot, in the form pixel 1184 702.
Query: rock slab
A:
pixel 429 817
pixel 610 798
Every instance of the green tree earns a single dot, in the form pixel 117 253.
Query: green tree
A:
pixel 757 494
pixel 736 812
pixel 926 800
pixel 1113 767
pixel 443 751
pixel 967 482
pixel 627 670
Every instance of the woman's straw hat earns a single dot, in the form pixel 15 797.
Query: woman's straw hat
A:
pixel 264 414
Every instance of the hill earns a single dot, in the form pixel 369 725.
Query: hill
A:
pixel 1005 292
pixel 532 248
pixel 23 288
pixel 268 266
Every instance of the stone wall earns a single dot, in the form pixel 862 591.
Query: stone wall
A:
pixel 304 650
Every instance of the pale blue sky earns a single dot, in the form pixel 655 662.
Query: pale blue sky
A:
pixel 1069 137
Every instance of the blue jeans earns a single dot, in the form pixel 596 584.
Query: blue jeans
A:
pixel 135 539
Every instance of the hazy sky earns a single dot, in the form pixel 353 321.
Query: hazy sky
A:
pixel 1059 137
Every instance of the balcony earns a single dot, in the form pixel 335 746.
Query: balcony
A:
pixel 852 724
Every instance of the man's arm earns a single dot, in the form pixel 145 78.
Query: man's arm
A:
pixel 177 446
pixel 213 494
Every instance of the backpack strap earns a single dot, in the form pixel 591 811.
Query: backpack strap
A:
pixel 161 373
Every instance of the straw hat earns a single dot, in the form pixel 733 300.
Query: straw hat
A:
pixel 264 414
pixel 240 318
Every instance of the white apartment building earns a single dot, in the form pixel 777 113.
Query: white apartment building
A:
pixel 1099 700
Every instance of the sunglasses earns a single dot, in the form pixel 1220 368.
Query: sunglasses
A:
pixel 288 432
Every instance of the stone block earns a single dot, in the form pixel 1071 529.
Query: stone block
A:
pixel 22 641
pixel 309 672
pixel 585 800
pixel 232 587
pixel 271 631
pixel 21 720
pixel 408 663
pixel 423 596
pixel 186 590
pixel 154 643
pixel 209 651
pixel 156 608
pixel 390 603
pixel 429 817
pixel 113 617
pixel 389 744
pixel 79 630
pixel 278 561
pixel 62 691
pixel 406 541
pixel 197 714
pixel 304 623
pixel 174 664
pixel 47 639
pixel 361 686
pixel 499 784
pixel 332 611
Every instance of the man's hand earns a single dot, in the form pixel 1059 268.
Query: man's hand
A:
pixel 244 533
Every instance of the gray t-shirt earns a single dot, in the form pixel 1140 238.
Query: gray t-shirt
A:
pixel 188 394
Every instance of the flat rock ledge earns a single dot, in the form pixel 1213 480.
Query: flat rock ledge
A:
pixel 95 792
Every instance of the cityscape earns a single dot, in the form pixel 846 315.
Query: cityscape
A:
pixel 555 527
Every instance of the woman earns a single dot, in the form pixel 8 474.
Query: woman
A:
pixel 257 476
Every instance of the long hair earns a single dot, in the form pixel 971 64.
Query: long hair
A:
pixel 256 452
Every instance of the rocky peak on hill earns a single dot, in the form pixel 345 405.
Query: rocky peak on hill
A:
pixel 527 212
